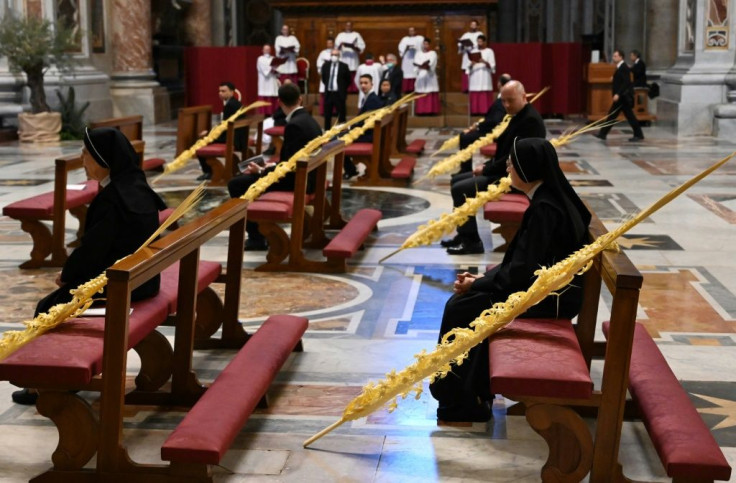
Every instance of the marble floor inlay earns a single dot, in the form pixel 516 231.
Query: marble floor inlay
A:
pixel 375 317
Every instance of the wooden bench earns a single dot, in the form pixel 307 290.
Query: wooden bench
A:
pixel 277 138
pixel 377 158
pixel 683 442
pixel 545 365
pixel 191 121
pixel 508 212
pixel 31 212
pixel 416 147
pixel 223 172
pixel 286 253
pixel 132 128
pixel 90 354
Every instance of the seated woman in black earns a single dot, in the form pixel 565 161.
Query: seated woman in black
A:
pixel 120 218
pixel 553 227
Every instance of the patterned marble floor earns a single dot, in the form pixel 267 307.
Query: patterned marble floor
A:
pixel 375 317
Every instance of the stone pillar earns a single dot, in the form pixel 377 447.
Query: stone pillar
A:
pixel 134 89
pixel 661 35
pixel 507 20
pixel 629 25
pixel 199 23
pixel 696 86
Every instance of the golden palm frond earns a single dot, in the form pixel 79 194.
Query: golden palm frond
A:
pixel 214 133
pixel 285 167
pixel 439 362
pixel 82 296
pixel 454 141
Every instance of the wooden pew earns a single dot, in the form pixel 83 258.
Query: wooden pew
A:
pixel 545 365
pixel 132 128
pixel 416 147
pixel 190 122
pixel 53 206
pixel 223 172
pixel 377 158
pixel 98 363
pixel 287 253
pixel 508 212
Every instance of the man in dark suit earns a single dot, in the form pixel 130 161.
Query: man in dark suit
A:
pixel 371 102
pixel 231 105
pixel 638 68
pixel 525 123
pixel 300 129
pixel 493 116
pixel 336 77
pixel 393 74
pixel 623 98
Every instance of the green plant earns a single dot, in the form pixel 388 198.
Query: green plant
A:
pixel 32 45
pixel 72 122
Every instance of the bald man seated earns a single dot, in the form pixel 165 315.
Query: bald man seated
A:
pixel 525 123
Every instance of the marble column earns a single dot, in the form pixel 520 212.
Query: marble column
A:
pixel 661 35
pixel 694 91
pixel 134 89
pixel 629 25
pixel 507 20
pixel 199 23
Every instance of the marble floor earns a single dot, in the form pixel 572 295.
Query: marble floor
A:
pixel 376 316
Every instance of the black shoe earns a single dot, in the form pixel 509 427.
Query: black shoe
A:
pixel 466 248
pixel 204 177
pixel 270 151
pixel 26 397
pixel 349 175
pixel 255 245
pixel 636 139
pixel 479 412
pixel 600 136
pixel 451 242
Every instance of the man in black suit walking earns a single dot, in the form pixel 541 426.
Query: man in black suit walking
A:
pixel 336 77
pixel 623 98
pixel 300 129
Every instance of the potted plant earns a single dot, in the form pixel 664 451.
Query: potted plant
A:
pixel 31 46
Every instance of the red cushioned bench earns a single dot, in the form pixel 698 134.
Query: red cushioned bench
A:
pixel 489 150
pixel 277 138
pixel 132 128
pixel 286 251
pixel 91 355
pixel 683 442
pixel 53 206
pixel 223 172
pixel 508 212
pixel 380 171
pixel 545 365
pixel 210 427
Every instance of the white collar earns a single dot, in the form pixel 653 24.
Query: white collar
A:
pixel 531 192
pixel 105 181
pixel 288 117
pixel 619 64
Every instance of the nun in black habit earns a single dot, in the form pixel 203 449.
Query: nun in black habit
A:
pixel 553 227
pixel 120 218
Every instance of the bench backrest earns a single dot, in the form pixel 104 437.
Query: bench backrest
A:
pixel 183 244
pixel 243 124
pixel 191 121
pixel 131 126
pixel 382 145
pixel 401 123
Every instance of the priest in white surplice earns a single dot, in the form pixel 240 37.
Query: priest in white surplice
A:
pixel 351 45
pixel 425 63
pixel 408 48
pixel 482 64
pixel 287 47
pixel 466 44
pixel 268 82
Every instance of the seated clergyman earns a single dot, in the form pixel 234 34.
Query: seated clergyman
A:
pixel 553 227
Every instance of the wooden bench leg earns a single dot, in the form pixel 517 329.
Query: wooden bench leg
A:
pixel 569 441
pixel 42 241
pixel 157 358
pixel 219 177
pixel 77 424
pixel 278 244
pixel 507 231
pixel 210 317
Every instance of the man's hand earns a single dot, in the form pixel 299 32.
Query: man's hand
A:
pixel 615 98
pixel 58 280
pixel 203 133
pixel 478 170
pixel 464 281
pixel 253 168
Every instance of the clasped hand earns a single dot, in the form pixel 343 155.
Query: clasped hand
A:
pixel 464 281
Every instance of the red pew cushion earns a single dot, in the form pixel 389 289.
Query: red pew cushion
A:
pixel 42 206
pixel 359 149
pixel 211 151
pixel 347 242
pixel 488 150
pixel 416 146
pixel 274 131
pixel 504 211
pixel 539 358
pixel 270 210
pixel 405 168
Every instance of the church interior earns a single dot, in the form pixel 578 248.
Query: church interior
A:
pixel 660 412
